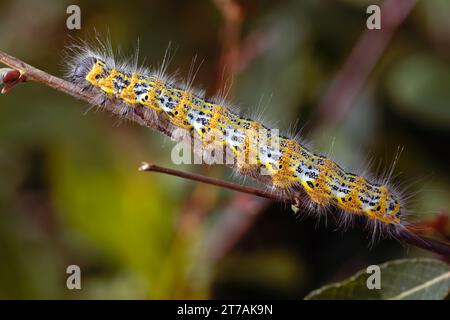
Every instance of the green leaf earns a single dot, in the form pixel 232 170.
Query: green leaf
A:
pixel 408 279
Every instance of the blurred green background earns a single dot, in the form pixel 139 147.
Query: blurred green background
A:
pixel 70 192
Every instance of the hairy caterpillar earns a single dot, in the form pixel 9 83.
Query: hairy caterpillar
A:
pixel 281 163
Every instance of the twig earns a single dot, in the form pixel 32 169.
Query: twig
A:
pixel 214 182
pixel 425 243
pixel 33 74
pixel 56 83
pixel 405 235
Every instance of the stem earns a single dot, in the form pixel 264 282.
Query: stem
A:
pixel 34 74
pixel 425 243
pixel 212 181
pixel 406 235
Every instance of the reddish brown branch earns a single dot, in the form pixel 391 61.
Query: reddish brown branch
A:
pixel 31 73
pixel 214 182
pixel 405 235
pixel 425 243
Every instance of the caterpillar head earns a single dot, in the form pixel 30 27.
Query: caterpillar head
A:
pixel 90 69
pixel 388 209
pixel 393 210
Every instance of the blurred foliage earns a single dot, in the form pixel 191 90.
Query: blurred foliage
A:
pixel 420 86
pixel 70 192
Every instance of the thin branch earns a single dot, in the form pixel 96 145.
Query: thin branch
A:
pixel 404 234
pixel 214 182
pixel 435 246
pixel 34 74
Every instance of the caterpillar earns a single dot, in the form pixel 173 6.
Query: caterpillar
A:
pixel 280 163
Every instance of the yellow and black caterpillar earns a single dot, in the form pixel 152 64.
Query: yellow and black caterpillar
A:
pixel 288 166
